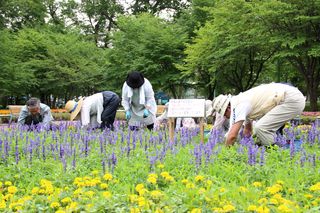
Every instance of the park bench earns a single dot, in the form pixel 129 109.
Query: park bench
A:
pixel 14 111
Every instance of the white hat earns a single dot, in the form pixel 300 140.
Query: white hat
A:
pixel 208 108
pixel 220 103
pixel 74 108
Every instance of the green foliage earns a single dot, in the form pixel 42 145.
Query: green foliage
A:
pixel 150 45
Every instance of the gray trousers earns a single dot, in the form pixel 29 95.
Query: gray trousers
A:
pixel 265 129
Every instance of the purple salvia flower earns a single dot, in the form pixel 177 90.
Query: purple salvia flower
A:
pixel 74 158
pixel 43 150
pixel 262 157
pixel 17 151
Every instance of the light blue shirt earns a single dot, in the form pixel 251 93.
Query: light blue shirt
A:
pixel 44 111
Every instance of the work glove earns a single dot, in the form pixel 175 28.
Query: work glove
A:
pixel 145 113
pixel 128 115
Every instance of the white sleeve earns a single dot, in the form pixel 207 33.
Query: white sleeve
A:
pixel 85 114
pixel 125 100
pixel 240 113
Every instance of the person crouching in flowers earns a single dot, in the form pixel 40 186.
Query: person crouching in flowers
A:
pixel 97 110
pixel 138 101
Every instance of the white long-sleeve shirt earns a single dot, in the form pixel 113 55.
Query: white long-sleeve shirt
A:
pixel 91 110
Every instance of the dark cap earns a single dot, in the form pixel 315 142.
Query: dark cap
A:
pixel 135 79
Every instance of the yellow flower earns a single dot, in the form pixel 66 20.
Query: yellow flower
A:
pixel 103 186
pixel 139 187
pixel 1 184
pixel 274 189
pixel 142 192
pixel 160 166
pixel 263 209
pixel 273 201
pixel 60 211
pixel 141 201
pixel 153 175
pixel 66 200
pixel 135 210
pixel 217 209
pixel 209 183
pixel 243 189
pixel 308 196
pixel 54 205
pixel 315 187
pixel 133 198
pixel 169 178
pixel 184 181
pixel 89 193
pixel 106 194
pixel 77 192
pixel 89 206
pixel 228 208
pixel 156 194
pixel 196 210
pixel 199 178
pixel 159 211
pixel 152 180
pixel 72 206
pixel 164 174
pixel 12 189
pixel 252 208
pixel 262 200
pixel 3 204
pixel 190 185
pixel 257 184
pixel 8 183
pixel 284 208
pixel 107 176
pixel 222 190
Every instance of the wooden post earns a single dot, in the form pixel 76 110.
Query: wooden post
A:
pixel 171 130
pixel 201 130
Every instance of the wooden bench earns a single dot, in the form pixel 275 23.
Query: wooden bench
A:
pixel 14 111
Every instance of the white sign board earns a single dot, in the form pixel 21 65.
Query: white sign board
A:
pixel 186 108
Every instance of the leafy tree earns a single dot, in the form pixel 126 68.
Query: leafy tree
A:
pixel 150 45
pixel 293 26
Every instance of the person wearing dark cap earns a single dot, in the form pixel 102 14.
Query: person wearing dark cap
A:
pixel 34 113
pixel 138 101
pixel 97 110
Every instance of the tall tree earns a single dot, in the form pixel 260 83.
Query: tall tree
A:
pixel 150 45
pixel 293 26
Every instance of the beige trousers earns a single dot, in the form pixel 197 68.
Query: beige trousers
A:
pixel 265 129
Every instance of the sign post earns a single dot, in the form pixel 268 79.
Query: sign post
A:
pixel 186 108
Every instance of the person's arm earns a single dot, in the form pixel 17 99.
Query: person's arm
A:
pixel 85 114
pixel 247 131
pixel 233 133
pixel 23 114
pixel 47 116
pixel 150 102
pixel 125 99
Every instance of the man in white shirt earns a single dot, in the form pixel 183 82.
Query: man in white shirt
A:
pixel 271 105
pixel 97 110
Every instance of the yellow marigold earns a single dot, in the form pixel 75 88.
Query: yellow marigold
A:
pixel 190 185
pixel 222 190
pixel 103 186
pixel 308 196
pixel 7 197
pixel 89 193
pixel 89 206
pixel 139 187
pixel 153 175
pixel 133 198
pixel 3 204
pixel 152 180
pixel 169 178
pixel 35 190
pixel 273 201
pixel 1 184
pixel 54 205
pixel 196 210
pixel 160 166
pixel 209 183
pixel 12 189
pixel 107 176
pixel 77 192
pixel 252 208
pixel 7 183
pixel 106 194
pixel 159 211
pixel 72 206
pixel 263 209
pixel 66 200
pixel 164 174
pixel 142 192
pixel 135 210
pixel 217 209
pixel 60 211
pixel 274 189
pixel 284 209
pixel 228 208
pixel 243 189
pixel 199 178
pixel 257 184
pixel 141 201
pixel 315 187
pixel 156 194
pixel 263 200
pixel 184 181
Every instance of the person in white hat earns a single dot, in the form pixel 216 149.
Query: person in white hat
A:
pixel 138 101
pixel 271 105
pixel 97 110
pixel 34 113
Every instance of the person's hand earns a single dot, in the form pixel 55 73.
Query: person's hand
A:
pixel 145 113
pixel 128 115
